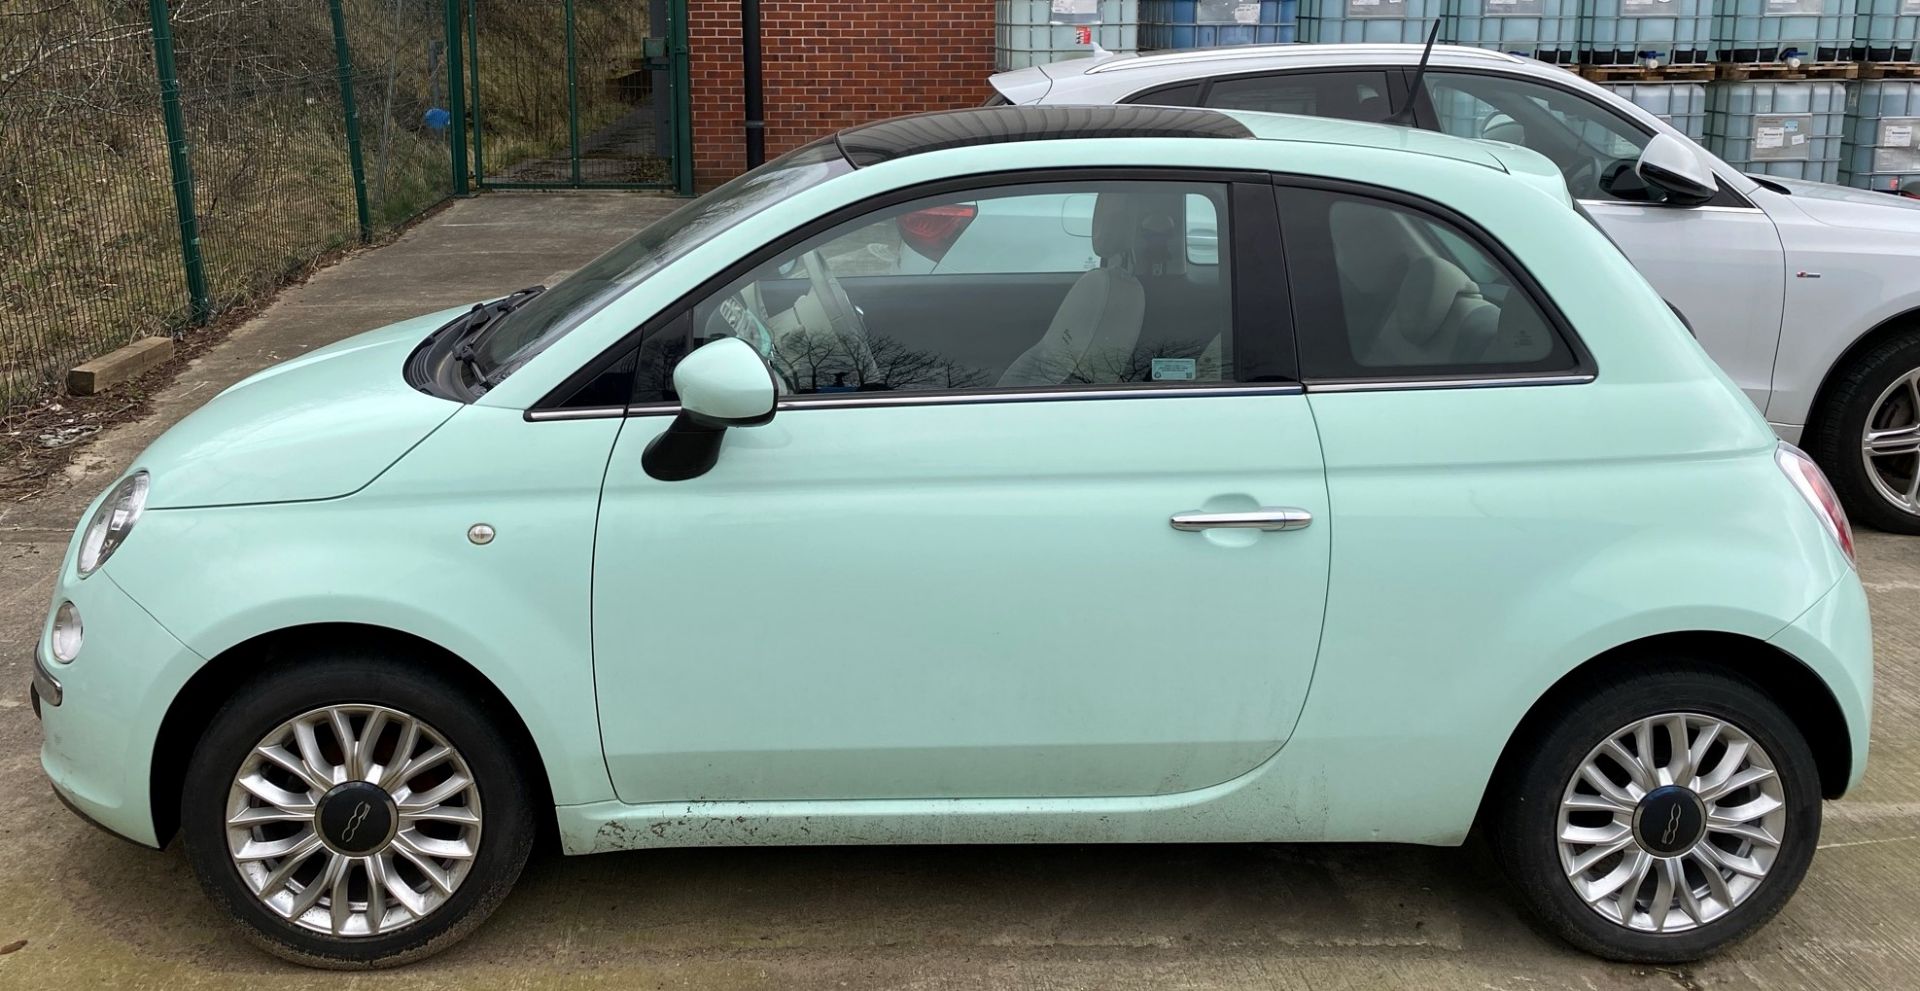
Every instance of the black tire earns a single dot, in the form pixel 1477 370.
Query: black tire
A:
pixel 345 677
pixel 1524 807
pixel 1834 440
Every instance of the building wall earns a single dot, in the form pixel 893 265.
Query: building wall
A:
pixel 829 64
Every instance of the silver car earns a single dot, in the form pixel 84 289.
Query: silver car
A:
pixel 1806 294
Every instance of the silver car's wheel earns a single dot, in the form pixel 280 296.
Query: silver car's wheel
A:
pixel 1865 432
pixel 1890 443
pixel 1671 822
pixel 354 820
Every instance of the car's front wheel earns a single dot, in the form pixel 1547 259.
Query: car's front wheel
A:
pixel 1867 437
pixel 1660 818
pixel 355 812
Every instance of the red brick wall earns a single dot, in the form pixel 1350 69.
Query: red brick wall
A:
pixel 829 64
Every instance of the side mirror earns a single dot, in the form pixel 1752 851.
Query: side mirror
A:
pixel 1670 165
pixel 721 384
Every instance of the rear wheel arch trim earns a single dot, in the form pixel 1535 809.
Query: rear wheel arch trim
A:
pixel 1789 681
pixel 216 681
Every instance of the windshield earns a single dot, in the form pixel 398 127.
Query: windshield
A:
pixel 545 318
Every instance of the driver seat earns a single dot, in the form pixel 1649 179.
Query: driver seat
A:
pixel 1098 324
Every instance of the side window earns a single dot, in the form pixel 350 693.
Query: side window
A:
pixel 1347 95
pixel 1048 285
pixel 1384 291
pixel 1593 146
pixel 607 389
pixel 1182 95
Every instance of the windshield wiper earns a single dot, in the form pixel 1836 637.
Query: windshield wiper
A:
pixel 479 324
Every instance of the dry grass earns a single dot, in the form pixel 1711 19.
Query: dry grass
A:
pixel 90 249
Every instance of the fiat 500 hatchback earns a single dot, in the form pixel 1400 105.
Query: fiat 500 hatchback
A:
pixel 1354 487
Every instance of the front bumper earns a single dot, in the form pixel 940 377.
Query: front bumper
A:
pixel 100 715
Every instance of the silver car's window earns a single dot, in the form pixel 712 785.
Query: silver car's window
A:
pixel 1593 146
pixel 1050 285
pixel 1359 95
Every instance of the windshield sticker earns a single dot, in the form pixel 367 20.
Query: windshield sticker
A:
pixel 1782 137
pixel 1174 369
pixel 1376 8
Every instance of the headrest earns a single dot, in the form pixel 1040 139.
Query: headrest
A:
pixel 1501 127
pixel 1160 234
pixel 1427 295
pixel 1113 221
pixel 1369 245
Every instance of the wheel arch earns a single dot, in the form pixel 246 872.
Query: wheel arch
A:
pixel 197 701
pixel 1788 681
pixel 1904 322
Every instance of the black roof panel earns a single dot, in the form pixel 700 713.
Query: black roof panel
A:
pixel 870 144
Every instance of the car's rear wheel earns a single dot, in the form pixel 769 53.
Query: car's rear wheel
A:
pixel 1867 437
pixel 353 812
pixel 1661 818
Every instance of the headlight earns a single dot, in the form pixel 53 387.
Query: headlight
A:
pixel 114 520
pixel 67 633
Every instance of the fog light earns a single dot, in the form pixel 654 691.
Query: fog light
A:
pixel 67 632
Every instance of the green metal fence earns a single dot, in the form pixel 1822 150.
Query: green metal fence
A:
pixel 163 161
pixel 578 93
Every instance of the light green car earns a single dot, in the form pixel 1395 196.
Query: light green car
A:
pixel 1354 488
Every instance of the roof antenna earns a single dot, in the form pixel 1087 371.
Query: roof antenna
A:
pixel 1404 116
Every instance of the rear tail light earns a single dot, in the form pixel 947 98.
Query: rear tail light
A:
pixel 932 231
pixel 1812 484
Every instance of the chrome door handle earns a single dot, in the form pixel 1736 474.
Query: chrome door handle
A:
pixel 1264 518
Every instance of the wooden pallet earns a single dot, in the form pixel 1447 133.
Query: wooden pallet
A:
pixel 1635 73
pixel 1890 70
pixel 1781 70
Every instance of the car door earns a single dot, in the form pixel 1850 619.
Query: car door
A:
pixel 1075 550
pixel 1721 264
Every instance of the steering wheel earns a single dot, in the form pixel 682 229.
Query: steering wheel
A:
pixel 847 323
pixel 1585 176
pixel 848 326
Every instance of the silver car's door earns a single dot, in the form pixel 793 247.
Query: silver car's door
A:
pixel 1720 264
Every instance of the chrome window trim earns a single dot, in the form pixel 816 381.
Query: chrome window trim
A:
pixel 875 399
pixel 582 413
pixel 1035 396
pixel 859 401
pixel 1667 206
pixel 1490 382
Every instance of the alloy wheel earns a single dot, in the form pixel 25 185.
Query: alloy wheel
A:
pixel 1671 822
pixel 353 820
pixel 1890 443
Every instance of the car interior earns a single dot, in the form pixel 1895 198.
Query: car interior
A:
pixel 1412 292
pixel 834 316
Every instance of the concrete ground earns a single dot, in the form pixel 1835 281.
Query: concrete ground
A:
pixel 79 909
